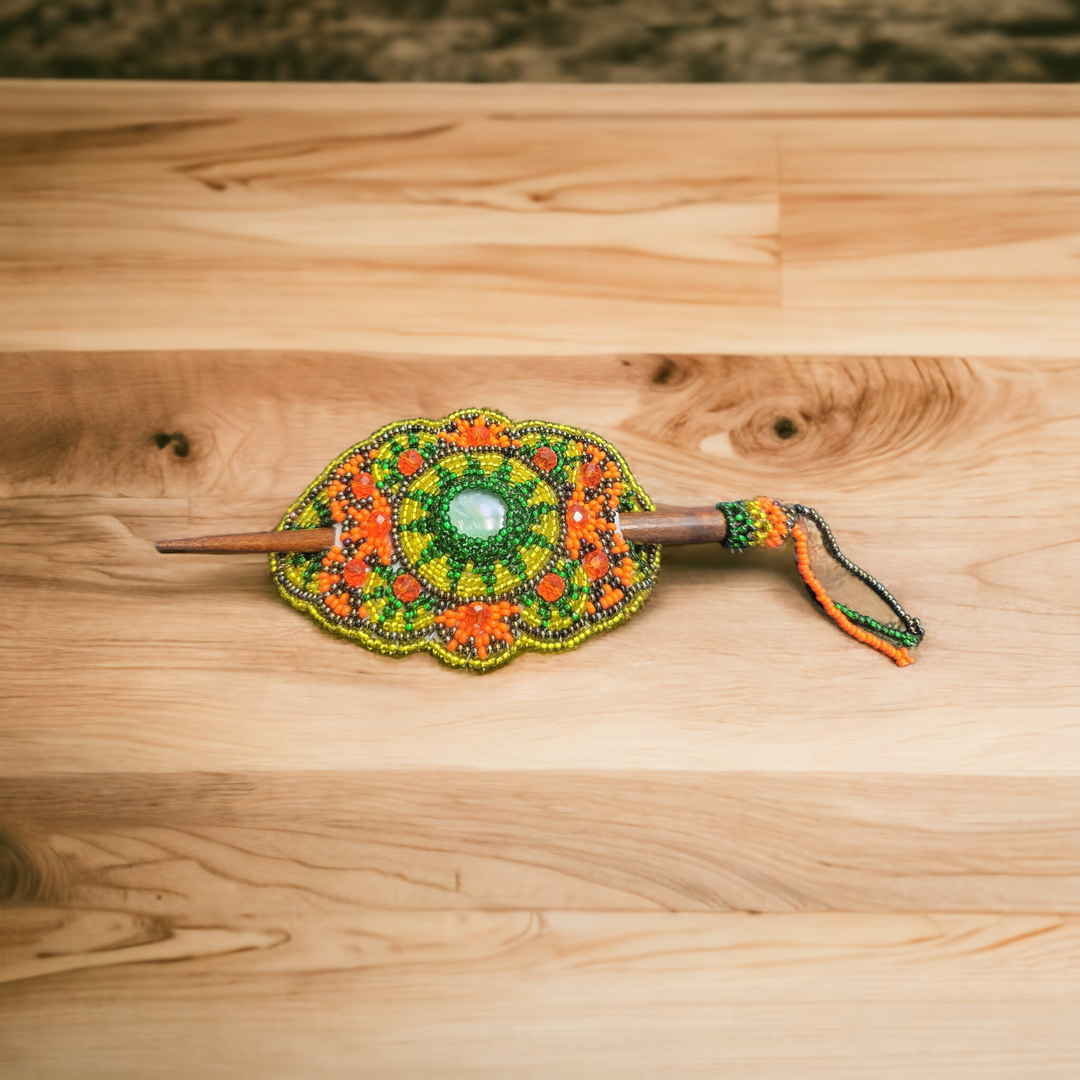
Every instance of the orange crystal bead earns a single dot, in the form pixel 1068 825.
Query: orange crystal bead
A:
pixel 378 523
pixel 551 587
pixel 591 474
pixel 596 564
pixel 478 435
pixel 409 462
pixel 406 588
pixel 363 485
pixel 545 459
pixel 355 573
pixel 480 615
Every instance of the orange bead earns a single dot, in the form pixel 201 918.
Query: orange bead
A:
pixel 591 474
pixel 596 564
pixel 577 516
pixel 355 573
pixel 378 523
pixel 551 587
pixel 409 462
pixel 363 485
pixel 480 615
pixel 545 459
pixel 406 588
pixel 478 435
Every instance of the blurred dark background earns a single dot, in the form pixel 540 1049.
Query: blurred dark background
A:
pixel 545 40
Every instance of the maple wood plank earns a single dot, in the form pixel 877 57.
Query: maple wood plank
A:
pixel 180 846
pixel 559 220
pixel 722 841
pixel 319 988
pixel 933 472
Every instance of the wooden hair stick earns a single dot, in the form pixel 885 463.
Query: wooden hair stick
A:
pixel 646 527
pixel 476 537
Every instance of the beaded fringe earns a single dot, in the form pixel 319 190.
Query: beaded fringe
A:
pixel 764 522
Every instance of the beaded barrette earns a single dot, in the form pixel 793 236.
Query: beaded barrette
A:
pixel 475 538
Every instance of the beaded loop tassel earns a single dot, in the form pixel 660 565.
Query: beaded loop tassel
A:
pixel 827 573
pixel 472 538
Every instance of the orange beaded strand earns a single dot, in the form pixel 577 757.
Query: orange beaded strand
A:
pixel 802 559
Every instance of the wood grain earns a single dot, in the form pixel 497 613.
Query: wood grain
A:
pixel 926 469
pixel 540 994
pixel 723 841
pixel 555 220
pixel 614 840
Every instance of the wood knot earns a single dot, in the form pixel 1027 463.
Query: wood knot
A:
pixel 814 415
pixel 29 873
pixel 669 373
pixel 178 440
pixel 785 428
pixel 840 414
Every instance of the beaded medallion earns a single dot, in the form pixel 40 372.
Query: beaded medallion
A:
pixel 473 538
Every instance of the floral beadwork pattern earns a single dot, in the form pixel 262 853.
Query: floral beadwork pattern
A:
pixel 408 573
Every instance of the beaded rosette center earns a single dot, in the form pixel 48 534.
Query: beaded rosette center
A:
pixel 472 538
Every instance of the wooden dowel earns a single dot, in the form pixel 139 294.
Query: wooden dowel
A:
pixel 674 527
pixel 650 527
pixel 305 540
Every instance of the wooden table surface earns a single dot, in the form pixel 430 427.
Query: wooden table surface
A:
pixel 722 841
